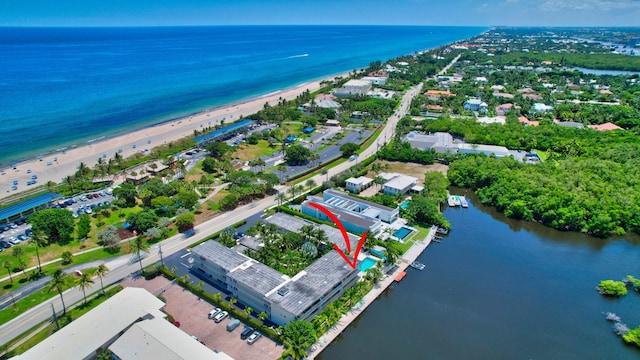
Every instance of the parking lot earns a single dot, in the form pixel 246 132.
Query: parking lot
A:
pixel 191 312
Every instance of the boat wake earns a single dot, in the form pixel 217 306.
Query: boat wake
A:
pixel 297 56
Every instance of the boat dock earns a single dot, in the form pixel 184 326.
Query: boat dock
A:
pixel 403 263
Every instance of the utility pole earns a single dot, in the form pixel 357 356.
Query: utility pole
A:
pixel 55 317
pixel 160 253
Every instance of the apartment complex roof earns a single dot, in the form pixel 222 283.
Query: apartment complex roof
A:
pixel 220 254
pixel 260 277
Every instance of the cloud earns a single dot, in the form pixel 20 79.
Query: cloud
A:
pixel 587 5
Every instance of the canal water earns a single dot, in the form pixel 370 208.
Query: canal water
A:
pixel 498 288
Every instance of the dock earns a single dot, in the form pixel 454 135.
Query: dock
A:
pixel 401 276
pixel 409 257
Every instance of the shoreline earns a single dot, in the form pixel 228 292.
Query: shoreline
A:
pixel 55 165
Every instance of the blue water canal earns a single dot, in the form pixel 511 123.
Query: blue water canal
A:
pixel 497 288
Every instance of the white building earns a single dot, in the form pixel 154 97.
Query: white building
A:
pixel 281 297
pixel 354 87
pixel 497 151
pixel 397 183
pixel 441 142
pixel 475 105
pixel 540 107
pixel 377 80
pixel 355 185
pixel 131 325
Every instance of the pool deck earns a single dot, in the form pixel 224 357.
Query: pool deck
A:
pixel 403 263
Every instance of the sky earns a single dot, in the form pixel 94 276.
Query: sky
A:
pixel 319 12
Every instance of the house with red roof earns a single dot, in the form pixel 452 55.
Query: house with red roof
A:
pixel 528 122
pixel 606 127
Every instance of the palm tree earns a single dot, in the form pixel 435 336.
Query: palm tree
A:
pixel 84 282
pixel 17 252
pixel 102 270
pixel 8 265
pixel 310 183
pixel 307 232
pixel 263 316
pixel 217 297
pixel 232 301
pixel 283 169
pixel 38 238
pixel 59 283
pixel 70 181
pixel 379 180
pixel 281 197
pixel 248 310
pixel 82 170
pixel 138 245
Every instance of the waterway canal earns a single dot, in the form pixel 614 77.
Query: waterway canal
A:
pixel 497 288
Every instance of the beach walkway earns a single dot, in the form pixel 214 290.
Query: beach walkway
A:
pixel 410 256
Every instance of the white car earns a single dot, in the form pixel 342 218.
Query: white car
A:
pixel 14 240
pixel 253 338
pixel 220 316
pixel 214 312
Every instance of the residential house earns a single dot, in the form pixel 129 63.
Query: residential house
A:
pixel 606 127
pixel 356 185
pixel 435 95
pixel 376 80
pixel 397 183
pixel 503 109
pixel 475 105
pixel 540 107
pixel 502 95
pixel 535 97
pixel 497 151
pixel 441 142
pixel 354 87
pixel 528 122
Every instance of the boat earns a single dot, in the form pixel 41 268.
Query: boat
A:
pixel 417 265
pixel 401 276
pixel 442 230
pixel 463 202
pixel 452 202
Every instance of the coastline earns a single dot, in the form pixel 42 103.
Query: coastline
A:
pixel 65 159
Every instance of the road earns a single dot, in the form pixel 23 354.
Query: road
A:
pixel 42 312
pixel 121 269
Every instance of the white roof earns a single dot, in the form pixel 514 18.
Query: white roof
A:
pixel 158 339
pixel 401 182
pixel 84 336
pixel 362 180
pixel 358 82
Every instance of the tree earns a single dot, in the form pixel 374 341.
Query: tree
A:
pixel 67 257
pixel 263 316
pixel 59 283
pixel 185 221
pixel 218 149
pixel 227 240
pixel 281 197
pixel 84 282
pixel 349 149
pixel 8 265
pixel 109 237
pixel 143 220
pixel 232 301
pixel 38 238
pixel 102 270
pixel 18 252
pixel 310 184
pixel 298 336
pixel 297 154
pixel 612 288
pixel 379 180
pixel 56 224
pixel 210 165
pixel 248 310
pixel 186 199
pixel 282 168
pixel 309 249
pixel 229 202
pixel 126 194
pixel 84 226
pixel 632 336
pixel 138 245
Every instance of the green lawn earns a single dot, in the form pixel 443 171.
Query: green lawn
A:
pixel 400 247
pixel 541 154
pixel 248 152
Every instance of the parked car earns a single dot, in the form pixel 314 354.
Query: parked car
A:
pixel 246 333
pixel 88 210
pixel 14 240
pixel 5 244
pixel 253 338
pixel 223 315
pixel 233 325
pixel 22 237
pixel 214 312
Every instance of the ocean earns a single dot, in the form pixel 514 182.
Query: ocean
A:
pixel 66 86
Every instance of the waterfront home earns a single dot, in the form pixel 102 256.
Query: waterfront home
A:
pixel 606 127
pixel 354 87
pixel 497 151
pixel 281 297
pixel 398 183
pixel 441 142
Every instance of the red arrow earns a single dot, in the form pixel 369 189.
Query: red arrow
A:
pixel 344 235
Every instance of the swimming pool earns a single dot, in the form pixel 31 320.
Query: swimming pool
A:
pixel 405 204
pixel 402 233
pixel 367 264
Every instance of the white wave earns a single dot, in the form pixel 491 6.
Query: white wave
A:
pixel 297 56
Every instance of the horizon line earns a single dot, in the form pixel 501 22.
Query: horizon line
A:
pixel 320 25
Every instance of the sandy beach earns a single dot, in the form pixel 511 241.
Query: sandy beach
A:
pixel 62 165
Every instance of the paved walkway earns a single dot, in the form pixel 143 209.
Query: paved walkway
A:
pixel 410 256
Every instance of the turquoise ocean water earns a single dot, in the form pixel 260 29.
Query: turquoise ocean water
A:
pixel 64 86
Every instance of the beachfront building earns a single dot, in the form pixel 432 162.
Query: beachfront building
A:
pixel 281 297
pixel 376 80
pixel 497 151
pixel 356 185
pixel 397 183
pixel 441 142
pixel 354 87
pixel 129 324
pixel 357 215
